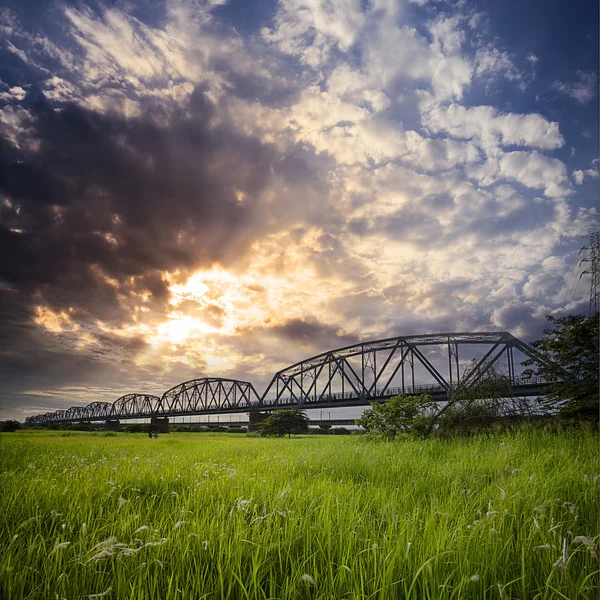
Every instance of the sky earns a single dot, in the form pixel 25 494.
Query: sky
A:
pixel 207 188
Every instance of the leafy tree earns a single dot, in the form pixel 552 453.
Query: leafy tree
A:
pixel 286 420
pixel 10 425
pixel 488 398
pixel 399 414
pixel 571 345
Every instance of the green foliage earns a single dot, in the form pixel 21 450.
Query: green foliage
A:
pixel 341 431
pixel 138 428
pixel 572 345
pixel 488 400
pixel 10 425
pixel 286 420
pixel 190 516
pixel 399 414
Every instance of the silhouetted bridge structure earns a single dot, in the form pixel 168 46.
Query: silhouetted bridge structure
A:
pixel 355 375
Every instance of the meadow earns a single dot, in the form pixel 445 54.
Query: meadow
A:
pixel 191 516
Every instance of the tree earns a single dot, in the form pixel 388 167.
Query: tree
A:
pixel 571 345
pixel 399 414
pixel 488 397
pixel 10 425
pixel 286 420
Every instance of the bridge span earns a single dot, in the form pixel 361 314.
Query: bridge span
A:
pixel 355 375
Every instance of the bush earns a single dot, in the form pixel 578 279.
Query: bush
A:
pixel 341 431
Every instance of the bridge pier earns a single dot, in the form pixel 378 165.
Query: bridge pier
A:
pixel 160 423
pixel 112 425
pixel 256 418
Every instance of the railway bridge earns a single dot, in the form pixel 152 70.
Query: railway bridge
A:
pixel 442 365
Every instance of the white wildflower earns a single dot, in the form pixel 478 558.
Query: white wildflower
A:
pixel 491 513
pixel 122 502
pixel 101 594
pixel 561 563
pixel 588 542
pixel 107 542
pixel 474 578
pixel 308 579
pixel 142 528
pixel 102 554
pixel 179 524
pixel 59 546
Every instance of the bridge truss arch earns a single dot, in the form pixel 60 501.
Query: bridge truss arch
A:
pixel 135 405
pixel 439 364
pixel 210 395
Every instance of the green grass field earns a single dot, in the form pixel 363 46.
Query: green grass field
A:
pixel 227 516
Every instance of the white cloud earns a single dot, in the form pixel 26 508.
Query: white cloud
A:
pixel 490 127
pixel 584 90
pixel 536 171
pixel 579 176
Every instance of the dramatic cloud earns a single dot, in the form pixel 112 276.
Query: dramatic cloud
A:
pixel 180 199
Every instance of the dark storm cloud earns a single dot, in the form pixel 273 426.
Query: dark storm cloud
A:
pixel 99 208
pixel 314 334
pixel 131 197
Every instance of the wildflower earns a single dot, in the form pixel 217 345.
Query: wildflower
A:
pixel 561 563
pixel 102 554
pixel 142 528
pixel 122 502
pixel 107 542
pixel 474 578
pixel 179 524
pixel 59 546
pixel 491 513
pixel 101 594
pixel 308 579
pixel 588 542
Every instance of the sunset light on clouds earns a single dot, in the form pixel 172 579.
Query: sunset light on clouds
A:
pixel 196 189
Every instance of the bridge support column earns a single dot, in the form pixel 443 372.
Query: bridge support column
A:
pixel 160 423
pixel 112 425
pixel 256 418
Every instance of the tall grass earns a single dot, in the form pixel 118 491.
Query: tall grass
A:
pixel 201 516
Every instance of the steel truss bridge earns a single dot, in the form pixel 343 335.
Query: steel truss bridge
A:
pixel 351 376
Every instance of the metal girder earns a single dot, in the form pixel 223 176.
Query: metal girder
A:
pixel 312 381
pixel 357 374
pixel 133 405
pixel 209 394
